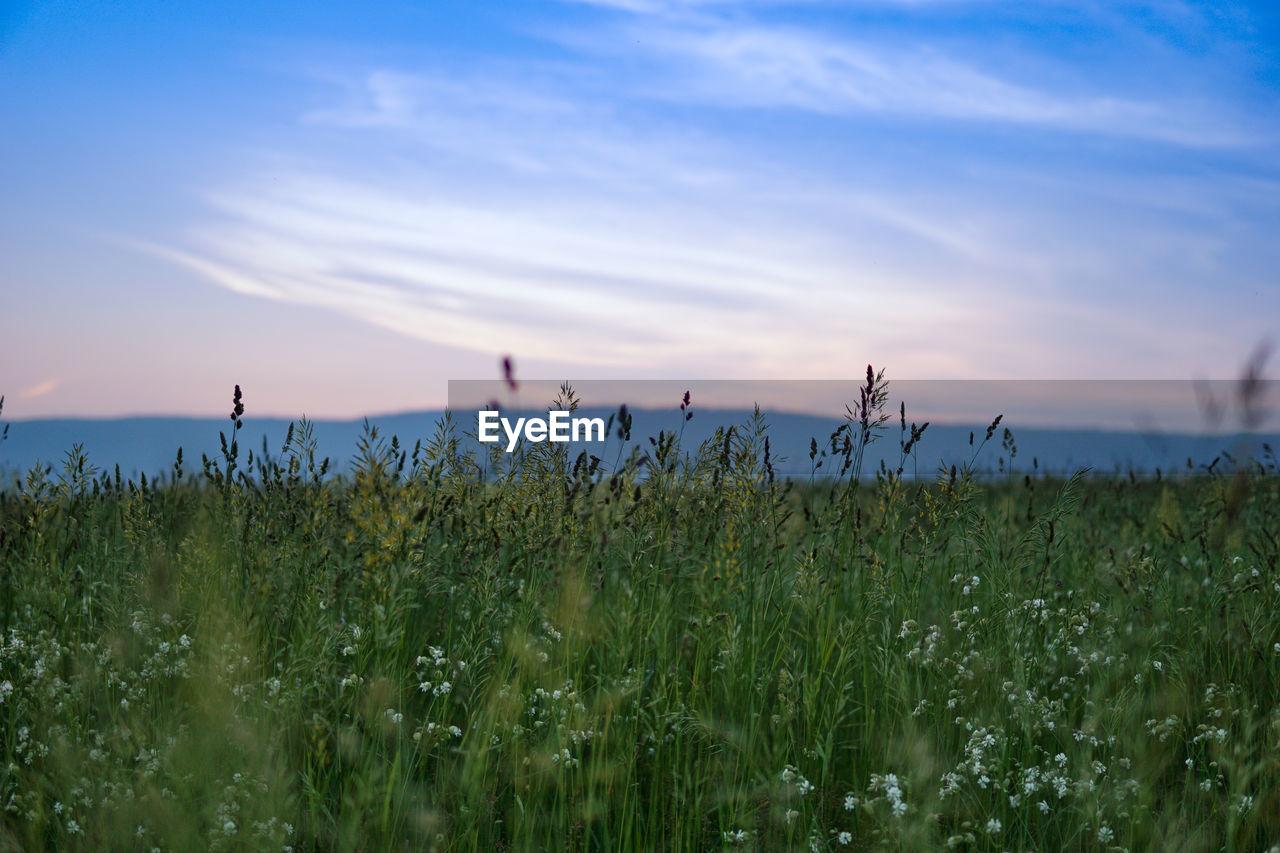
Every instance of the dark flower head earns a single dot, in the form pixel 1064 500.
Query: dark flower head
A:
pixel 509 372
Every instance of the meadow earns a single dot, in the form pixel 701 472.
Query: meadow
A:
pixel 670 650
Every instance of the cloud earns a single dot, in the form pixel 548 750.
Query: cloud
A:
pixel 752 65
pixel 934 284
pixel 40 389
pixel 562 212
pixel 535 122
pixel 600 286
pixel 534 222
pixel 1147 71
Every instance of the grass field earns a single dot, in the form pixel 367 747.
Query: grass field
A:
pixel 676 652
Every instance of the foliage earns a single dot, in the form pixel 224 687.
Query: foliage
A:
pixel 675 651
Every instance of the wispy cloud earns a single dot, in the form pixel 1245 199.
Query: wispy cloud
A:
pixel 542 208
pixel 598 286
pixel 558 228
pixel 534 122
pixel 731 64
pixel 40 389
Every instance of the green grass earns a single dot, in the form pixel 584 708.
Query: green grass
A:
pixel 680 654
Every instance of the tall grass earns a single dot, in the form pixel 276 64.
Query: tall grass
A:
pixel 675 651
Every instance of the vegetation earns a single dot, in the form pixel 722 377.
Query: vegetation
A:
pixel 672 650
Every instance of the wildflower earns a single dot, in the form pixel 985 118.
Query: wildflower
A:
pixel 72 827
pixel 844 838
pixel 6 687
pixel 892 791
pixel 790 775
pixel 850 803
pixel 994 826
pixel 1105 834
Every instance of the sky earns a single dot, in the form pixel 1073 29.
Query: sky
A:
pixel 342 206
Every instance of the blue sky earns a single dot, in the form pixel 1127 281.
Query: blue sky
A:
pixel 342 206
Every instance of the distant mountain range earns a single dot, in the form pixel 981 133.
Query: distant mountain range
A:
pixel 149 444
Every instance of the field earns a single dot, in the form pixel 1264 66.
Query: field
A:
pixel 674 651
